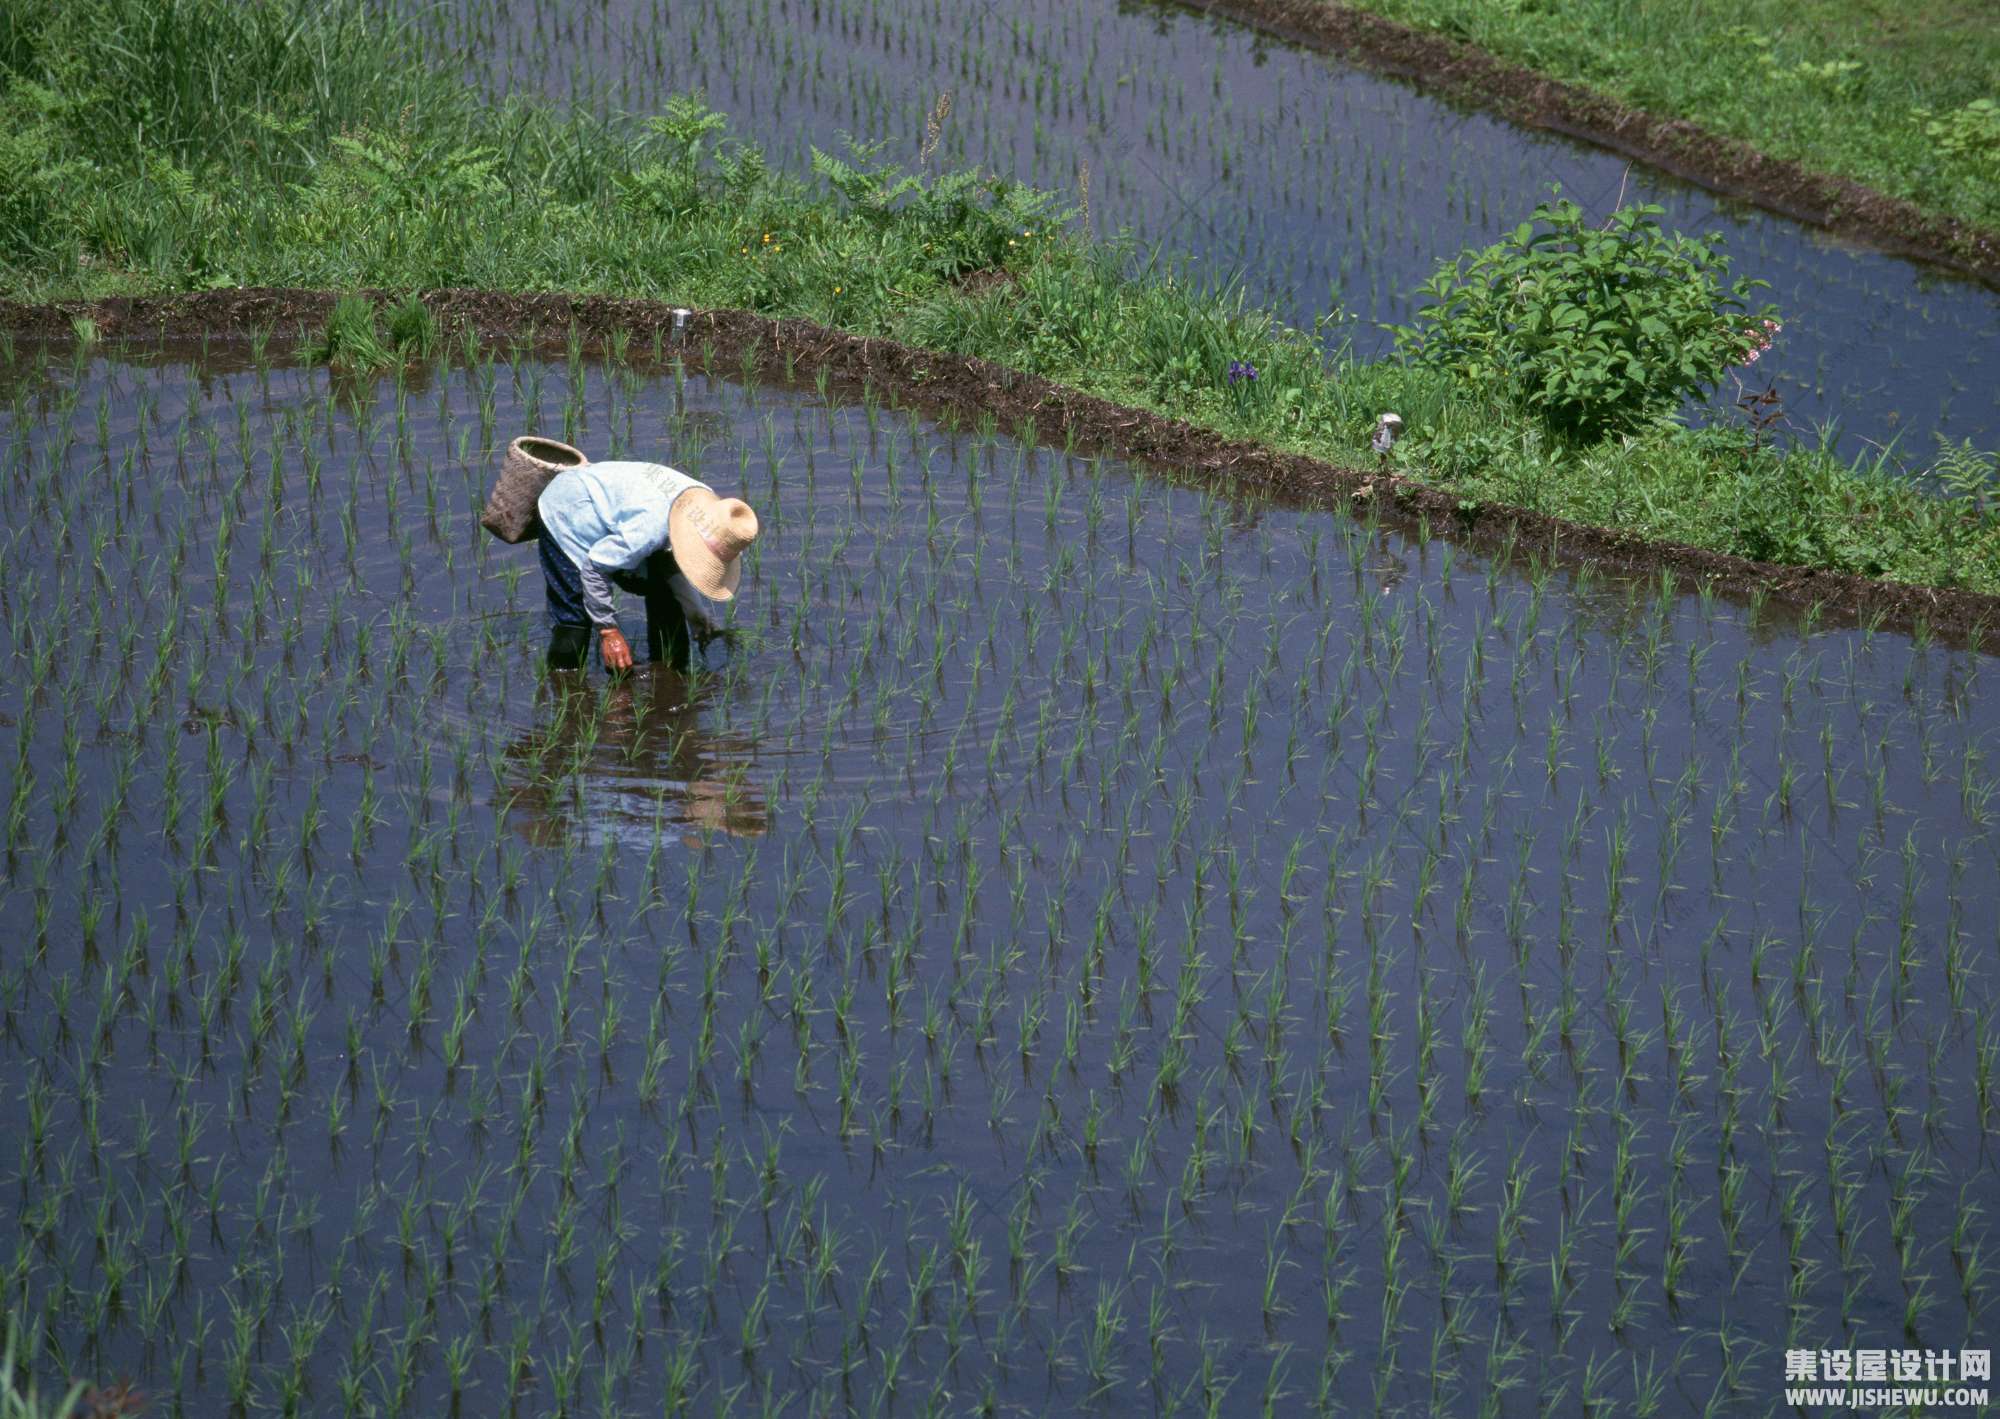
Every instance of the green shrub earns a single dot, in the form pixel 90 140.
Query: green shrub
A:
pixel 1594 329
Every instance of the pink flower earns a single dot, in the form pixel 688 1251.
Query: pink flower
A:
pixel 1760 339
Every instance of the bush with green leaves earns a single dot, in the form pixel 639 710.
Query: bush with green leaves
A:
pixel 1595 329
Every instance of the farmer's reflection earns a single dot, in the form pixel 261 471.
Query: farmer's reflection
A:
pixel 618 762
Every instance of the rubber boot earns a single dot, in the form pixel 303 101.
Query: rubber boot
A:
pixel 569 647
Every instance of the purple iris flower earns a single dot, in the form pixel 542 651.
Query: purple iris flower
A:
pixel 1241 370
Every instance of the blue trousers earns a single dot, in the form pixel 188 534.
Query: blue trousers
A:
pixel 570 635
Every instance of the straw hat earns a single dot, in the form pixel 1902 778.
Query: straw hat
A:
pixel 708 534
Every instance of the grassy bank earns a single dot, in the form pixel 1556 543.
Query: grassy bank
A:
pixel 1899 96
pixel 148 148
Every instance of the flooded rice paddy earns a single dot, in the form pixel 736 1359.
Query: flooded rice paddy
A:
pixel 1079 944
pixel 1320 186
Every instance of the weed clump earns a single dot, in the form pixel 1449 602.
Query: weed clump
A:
pixel 355 342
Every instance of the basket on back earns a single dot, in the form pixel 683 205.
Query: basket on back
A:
pixel 510 511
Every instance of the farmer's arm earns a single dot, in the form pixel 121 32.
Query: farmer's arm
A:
pixel 611 642
pixel 624 548
pixel 596 594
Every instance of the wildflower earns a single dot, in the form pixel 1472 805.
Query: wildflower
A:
pixel 836 290
pixel 1240 370
pixel 1760 340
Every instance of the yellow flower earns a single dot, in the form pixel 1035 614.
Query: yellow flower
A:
pixel 1010 241
pixel 767 236
pixel 836 290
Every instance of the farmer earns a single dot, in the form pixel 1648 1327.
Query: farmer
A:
pixel 646 528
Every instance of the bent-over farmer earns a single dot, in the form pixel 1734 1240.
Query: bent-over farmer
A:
pixel 649 529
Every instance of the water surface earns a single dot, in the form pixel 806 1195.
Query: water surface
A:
pixel 1079 943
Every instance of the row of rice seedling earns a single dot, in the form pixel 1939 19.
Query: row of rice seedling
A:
pixel 1318 187
pixel 1079 940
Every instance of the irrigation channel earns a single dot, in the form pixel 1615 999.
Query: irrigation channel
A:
pixel 1321 186
pixel 1078 944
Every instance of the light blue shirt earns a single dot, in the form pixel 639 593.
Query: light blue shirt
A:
pixel 611 517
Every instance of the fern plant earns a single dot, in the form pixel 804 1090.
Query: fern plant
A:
pixel 1967 477
pixel 972 221
pixel 680 145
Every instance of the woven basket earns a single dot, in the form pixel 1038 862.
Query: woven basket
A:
pixel 510 508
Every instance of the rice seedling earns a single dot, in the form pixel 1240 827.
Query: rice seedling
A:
pixel 1024 888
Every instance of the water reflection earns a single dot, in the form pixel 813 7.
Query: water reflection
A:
pixel 622 761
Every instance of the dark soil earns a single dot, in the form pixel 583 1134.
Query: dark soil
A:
pixel 966 387
pixel 1678 146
